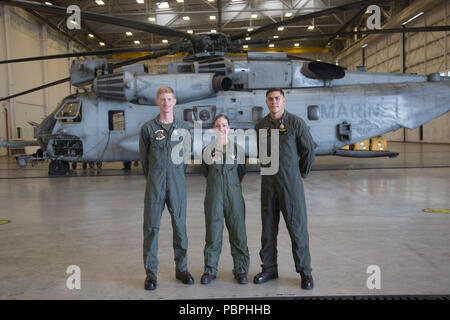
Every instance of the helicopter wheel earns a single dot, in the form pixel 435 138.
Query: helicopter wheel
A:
pixel 74 165
pixel 58 167
pixel 91 165
pixel 126 165
pixel 84 165
pixel 99 164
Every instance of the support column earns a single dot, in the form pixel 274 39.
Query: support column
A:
pixel 404 68
pixel 11 105
pixel 44 35
pixel 70 50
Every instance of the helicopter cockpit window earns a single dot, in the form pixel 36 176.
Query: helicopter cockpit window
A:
pixel 70 111
pixel 116 120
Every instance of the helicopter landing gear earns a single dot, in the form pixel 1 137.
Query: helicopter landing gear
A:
pixel 126 165
pixel 74 165
pixel 91 165
pixel 58 167
pixel 99 164
pixel 84 165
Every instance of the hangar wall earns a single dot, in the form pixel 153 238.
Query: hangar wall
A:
pixel 425 53
pixel 22 36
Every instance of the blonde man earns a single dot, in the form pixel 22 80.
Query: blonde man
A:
pixel 166 185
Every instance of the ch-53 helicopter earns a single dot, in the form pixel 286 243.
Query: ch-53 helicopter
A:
pixel 340 107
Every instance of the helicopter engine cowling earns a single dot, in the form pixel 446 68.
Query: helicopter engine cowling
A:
pixel 128 87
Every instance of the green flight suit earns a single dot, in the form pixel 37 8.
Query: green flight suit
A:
pixel 224 201
pixel 284 191
pixel 166 185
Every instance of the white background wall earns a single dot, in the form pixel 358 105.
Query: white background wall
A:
pixel 425 53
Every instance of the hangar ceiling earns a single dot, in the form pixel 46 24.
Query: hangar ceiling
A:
pixel 228 16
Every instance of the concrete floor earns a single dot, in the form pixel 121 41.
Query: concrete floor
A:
pixel 362 212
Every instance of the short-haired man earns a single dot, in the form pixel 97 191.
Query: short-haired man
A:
pixel 284 189
pixel 166 185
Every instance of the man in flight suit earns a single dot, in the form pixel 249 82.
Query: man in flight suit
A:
pixel 284 189
pixel 166 185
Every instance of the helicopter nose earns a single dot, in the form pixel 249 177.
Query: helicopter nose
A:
pixel 45 128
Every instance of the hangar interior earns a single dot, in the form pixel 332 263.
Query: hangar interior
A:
pixel 361 212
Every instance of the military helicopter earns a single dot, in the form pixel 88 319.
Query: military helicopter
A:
pixel 340 107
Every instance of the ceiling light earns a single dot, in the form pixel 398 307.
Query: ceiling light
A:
pixel 311 27
pixel 416 16
pixel 210 0
pixel 254 16
pixel 73 22
pixel 190 31
pixel 248 38
pixel 271 45
pixel 163 5
pixel 250 29
pixel 288 14
pixel 364 45
pixel 213 31
pixel 128 33
pixel 186 18
pixel 140 1
pixel 48 3
pixel 137 42
pixel 245 46
pixel 297 44
pixel 90 35
pixel 275 37
pixel 100 2
pixel 180 1
pixel 152 19
pixel 212 17
pixel 101 44
pixel 165 41
pixel 280 28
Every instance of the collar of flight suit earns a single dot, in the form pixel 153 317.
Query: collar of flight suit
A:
pixel 275 121
pixel 159 123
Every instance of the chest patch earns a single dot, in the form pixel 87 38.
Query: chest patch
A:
pixel 160 134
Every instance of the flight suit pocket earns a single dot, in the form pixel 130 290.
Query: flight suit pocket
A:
pixel 288 137
pixel 155 154
pixel 290 213
pixel 153 215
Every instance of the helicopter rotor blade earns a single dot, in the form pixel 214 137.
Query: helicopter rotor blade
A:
pixel 300 58
pixel 36 89
pixel 97 17
pixel 155 47
pixel 349 33
pixel 325 12
pixel 146 57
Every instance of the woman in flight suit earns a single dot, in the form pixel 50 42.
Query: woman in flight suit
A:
pixel 224 201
